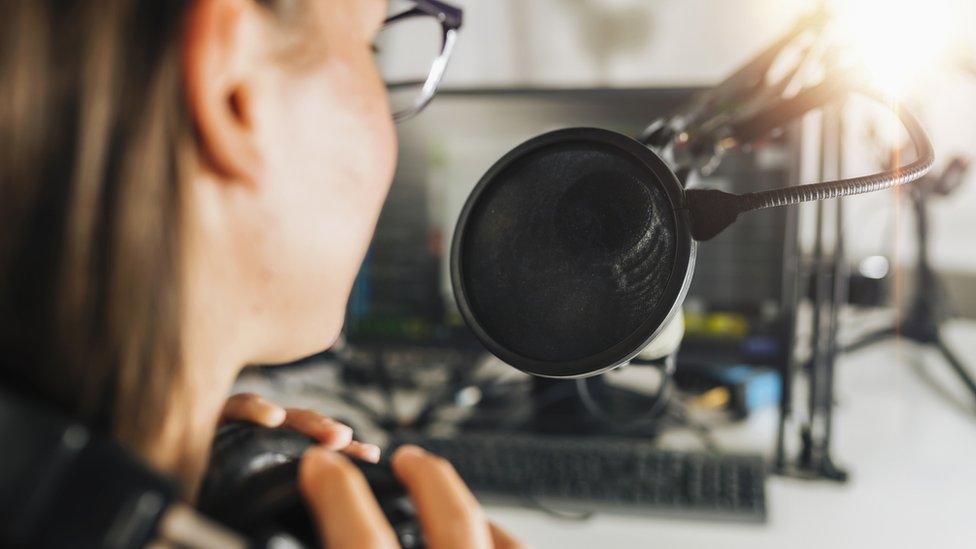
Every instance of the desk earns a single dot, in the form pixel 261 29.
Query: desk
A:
pixel 901 429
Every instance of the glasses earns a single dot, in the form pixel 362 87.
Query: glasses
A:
pixel 412 52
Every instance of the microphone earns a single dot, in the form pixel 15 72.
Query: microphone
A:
pixel 574 252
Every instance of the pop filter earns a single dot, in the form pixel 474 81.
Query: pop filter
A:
pixel 576 248
pixel 572 252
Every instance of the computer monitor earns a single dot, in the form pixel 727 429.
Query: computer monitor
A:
pixel 735 311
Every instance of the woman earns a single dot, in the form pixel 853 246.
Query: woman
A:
pixel 188 187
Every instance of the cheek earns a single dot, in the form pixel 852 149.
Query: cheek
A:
pixel 343 134
pixel 348 153
pixel 332 152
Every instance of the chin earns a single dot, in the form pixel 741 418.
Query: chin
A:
pixel 304 340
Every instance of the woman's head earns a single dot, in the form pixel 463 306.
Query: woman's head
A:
pixel 185 187
pixel 296 152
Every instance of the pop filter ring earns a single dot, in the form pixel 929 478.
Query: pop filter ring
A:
pixel 667 306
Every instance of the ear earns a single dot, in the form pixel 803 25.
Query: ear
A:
pixel 218 54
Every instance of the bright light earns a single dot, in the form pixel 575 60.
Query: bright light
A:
pixel 896 41
pixel 875 267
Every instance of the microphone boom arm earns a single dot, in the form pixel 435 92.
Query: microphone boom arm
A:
pixel 743 109
pixel 713 210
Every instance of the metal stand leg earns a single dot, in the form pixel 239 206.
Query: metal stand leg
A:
pixel 830 293
pixel 872 338
pixel 957 366
pixel 923 322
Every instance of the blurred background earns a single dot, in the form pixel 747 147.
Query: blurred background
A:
pixel 823 390
pixel 635 43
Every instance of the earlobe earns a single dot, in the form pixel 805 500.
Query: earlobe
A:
pixel 215 69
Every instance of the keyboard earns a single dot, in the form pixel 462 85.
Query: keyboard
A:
pixel 605 475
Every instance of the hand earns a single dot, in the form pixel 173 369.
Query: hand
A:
pixel 348 515
pixel 329 433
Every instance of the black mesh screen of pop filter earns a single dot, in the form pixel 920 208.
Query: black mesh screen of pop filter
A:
pixel 567 250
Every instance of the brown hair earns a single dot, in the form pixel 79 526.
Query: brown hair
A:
pixel 92 124
pixel 91 121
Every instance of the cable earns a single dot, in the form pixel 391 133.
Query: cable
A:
pixel 532 502
pixel 650 416
pixel 679 413
pixel 511 417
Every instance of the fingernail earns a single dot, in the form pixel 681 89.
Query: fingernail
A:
pixel 371 452
pixel 339 436
pixel 276 416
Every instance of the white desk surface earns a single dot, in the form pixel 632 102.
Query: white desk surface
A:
pixel 905 430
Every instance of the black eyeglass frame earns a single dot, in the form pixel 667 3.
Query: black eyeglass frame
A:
pixel 450 18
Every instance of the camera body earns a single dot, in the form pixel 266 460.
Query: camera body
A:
pixel 62 485
pixel 251 486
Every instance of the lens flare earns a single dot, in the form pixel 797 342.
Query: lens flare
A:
pixel 896 42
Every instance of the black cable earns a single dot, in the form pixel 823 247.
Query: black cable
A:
pixel 679 413
pixel 652 414
pixel 385 385
pixel 461 379
pixel 511 419
pixel 570 516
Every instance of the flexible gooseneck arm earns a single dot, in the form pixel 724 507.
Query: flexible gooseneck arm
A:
pixel 752 102
pixel 925 158
pixel 713 210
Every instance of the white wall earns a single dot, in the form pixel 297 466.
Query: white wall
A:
pixel 679 42
pixel 612 42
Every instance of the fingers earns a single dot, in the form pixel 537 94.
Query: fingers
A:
pixel 449 514
pixel 348 515
pixel 363 451
pixel 252 408
pixel 344 508
pixel 330 433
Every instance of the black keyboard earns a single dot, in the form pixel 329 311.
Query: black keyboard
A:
pixel 606 474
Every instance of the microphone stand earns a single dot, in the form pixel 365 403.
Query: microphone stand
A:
pixel 830 293
pixel 741 111
pixel 922 323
